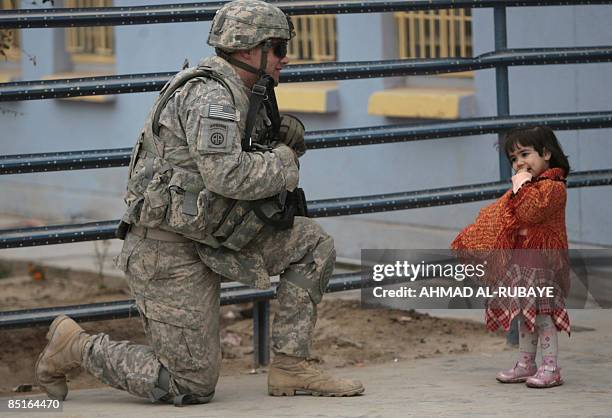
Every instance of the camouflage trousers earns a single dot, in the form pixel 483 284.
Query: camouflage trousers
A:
pixel 304 257
pixel 177 295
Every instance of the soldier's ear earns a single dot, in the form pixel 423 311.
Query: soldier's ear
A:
pixel 245 54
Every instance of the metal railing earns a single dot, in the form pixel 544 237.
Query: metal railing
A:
pixel 119 157
pixel 193 12
pixel 357 205
pixel 139 83
pixel 499 59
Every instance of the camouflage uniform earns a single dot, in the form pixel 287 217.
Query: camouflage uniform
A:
pixel 191 180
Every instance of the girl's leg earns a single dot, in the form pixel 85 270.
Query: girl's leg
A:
pixel 548 374
pixel 525 366
pixel 548 340
pixel 528 343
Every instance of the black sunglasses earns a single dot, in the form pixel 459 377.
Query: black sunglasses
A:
pixel 279 49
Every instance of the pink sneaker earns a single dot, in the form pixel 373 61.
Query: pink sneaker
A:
pixel 546 377
pixel 518 374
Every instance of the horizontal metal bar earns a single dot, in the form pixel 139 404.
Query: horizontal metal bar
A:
pixel 190 12
pixel 64 161
pixel 437 197
pixel 127 308
pixel 83 86
pixel 81 160
pixel 61 234
pixel 138 83
pixel 406 67
pixel 57 234
pixel 92 312
pixel 456 128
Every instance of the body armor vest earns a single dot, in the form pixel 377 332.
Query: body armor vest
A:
pixel 169 193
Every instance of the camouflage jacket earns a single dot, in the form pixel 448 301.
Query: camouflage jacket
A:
pixel 190 175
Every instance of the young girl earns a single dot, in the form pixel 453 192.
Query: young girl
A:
pixel 530 216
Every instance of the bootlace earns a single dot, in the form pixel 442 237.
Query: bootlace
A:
pixel 314 363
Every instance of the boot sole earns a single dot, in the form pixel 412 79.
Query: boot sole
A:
pixel 517 380
pixel 276 391
pixel 49 335
pixel 551 385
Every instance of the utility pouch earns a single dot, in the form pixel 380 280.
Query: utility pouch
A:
pixel 156 200
pixel 186 211
pixel 234 217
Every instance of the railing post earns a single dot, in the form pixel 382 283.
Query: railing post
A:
pixel 261 331
pixel 503 109
pixel 502 85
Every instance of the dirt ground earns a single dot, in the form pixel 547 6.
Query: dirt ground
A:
pixel 346 334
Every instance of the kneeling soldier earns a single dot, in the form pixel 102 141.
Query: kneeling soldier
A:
pixel 212 194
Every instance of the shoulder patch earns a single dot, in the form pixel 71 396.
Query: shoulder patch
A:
pixel 222 112
pixel 216 136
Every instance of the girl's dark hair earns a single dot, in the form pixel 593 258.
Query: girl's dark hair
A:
pixel 540 138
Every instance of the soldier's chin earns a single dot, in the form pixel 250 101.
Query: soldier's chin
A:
pixel 276 78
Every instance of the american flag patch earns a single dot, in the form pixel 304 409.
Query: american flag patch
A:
pixel 225 112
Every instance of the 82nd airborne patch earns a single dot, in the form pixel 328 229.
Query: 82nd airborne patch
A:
pixel 216 137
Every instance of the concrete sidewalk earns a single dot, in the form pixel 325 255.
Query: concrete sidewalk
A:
pixel 447 386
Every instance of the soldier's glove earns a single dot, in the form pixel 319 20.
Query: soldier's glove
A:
pixel 292 134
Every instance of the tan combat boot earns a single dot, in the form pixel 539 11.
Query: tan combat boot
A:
pixel 62 354
pixel 290 374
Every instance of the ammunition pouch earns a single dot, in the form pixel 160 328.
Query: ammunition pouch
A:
pixel 186 213
pixel 156 199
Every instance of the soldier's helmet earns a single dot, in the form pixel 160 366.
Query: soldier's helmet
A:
pixel 244 24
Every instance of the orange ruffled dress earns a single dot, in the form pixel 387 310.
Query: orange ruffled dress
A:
pixel 539 208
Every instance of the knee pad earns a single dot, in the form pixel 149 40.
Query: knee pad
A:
pixel 316 281
pixel 305 282
pixel 162 392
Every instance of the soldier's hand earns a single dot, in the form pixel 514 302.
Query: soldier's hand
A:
pixel 292 134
